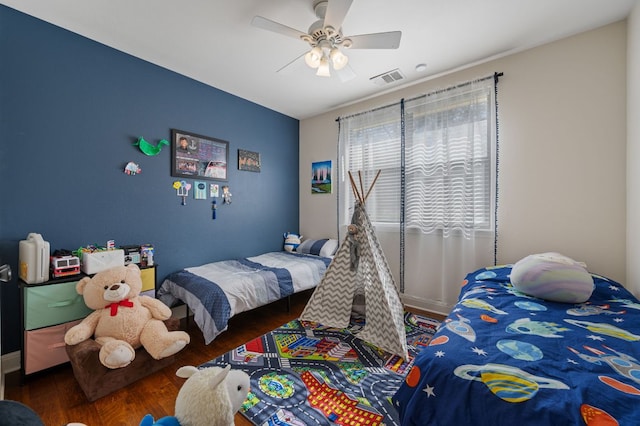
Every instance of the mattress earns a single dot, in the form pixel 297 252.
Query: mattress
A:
pixel 217 291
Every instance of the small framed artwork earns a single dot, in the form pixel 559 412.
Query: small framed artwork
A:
pixel 248 161
pixel 321 176
pixel 214 190
pixel 198 157
pixel 200 192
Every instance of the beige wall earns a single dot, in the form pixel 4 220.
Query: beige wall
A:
pixel 633 151
pixel 562 150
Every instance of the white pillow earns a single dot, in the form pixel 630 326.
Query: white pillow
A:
pixel 552 276
pixel 325 247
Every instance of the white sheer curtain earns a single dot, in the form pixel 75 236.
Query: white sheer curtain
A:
pixel 433 205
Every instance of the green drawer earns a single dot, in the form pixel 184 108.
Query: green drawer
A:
pixel 53 304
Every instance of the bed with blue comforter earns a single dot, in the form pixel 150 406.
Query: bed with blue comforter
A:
pixel 504 358
pixel 216 291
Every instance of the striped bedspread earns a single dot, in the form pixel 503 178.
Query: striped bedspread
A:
pixel 216 291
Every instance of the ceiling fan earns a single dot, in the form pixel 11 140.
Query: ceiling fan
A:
pixel 327 41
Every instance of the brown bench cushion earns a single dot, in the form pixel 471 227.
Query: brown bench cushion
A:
pixel 96 380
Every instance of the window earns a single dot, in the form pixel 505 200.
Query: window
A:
pixel 436 156
pixel 374 144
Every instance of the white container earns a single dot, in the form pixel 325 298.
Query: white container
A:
pixel 33 258
pixel 99 261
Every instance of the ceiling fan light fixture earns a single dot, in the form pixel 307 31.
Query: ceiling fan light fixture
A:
pixel 313 57
pixel 329 31
pixel 326 41
pixel 338 59
pixel 323 68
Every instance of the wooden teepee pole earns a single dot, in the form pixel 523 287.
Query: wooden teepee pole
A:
pixel 361 187
pixel 371 187
pixel 359 193
pixel 354 188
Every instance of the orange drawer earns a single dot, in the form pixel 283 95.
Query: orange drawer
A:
pixel 45 347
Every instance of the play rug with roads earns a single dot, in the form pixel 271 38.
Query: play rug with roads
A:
pixel 306 374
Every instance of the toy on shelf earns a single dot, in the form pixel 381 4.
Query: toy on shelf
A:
pixel 63 264
pixel 291 241
pixel 146 252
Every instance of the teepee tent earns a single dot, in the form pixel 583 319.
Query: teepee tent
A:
pixel 359 266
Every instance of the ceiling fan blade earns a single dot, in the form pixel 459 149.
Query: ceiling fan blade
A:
pixel 388 40
pixel 269 25
pixel 346 73
pixel 292 66
pixel 336 12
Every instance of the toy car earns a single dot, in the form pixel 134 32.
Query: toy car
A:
pixel 62 266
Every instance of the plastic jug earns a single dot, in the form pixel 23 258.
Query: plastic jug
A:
pixel 34 259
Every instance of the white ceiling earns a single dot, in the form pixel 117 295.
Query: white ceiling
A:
pixel 213 41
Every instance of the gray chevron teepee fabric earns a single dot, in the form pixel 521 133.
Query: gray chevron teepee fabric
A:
pixel 359 266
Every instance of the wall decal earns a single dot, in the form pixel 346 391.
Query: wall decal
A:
pixel 150 149
pixel 226 195
pixel 182 190
pixel 132 169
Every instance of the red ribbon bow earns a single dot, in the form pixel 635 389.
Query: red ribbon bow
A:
pixel 114 306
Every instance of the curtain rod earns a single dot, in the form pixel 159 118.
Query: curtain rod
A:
pixel 495 76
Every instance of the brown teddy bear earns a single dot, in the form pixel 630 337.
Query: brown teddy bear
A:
pixel 123 320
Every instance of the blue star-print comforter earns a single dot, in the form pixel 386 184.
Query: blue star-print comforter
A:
pixel 504 358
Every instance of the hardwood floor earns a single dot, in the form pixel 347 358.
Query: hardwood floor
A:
pixel 56 397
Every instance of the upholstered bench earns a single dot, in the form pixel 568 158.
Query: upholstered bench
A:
pixel 96 380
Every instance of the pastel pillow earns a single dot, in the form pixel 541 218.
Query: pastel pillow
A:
pixel 325 247
pixel 554 277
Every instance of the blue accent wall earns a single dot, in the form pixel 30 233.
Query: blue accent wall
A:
pixel 70 111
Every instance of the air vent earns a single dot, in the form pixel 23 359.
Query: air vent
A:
pixel 388 77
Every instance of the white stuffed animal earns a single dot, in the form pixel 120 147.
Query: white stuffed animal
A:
pixel 211 396
pixel 291 241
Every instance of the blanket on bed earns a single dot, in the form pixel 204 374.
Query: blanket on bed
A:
pixel 504 358
pixel 217 291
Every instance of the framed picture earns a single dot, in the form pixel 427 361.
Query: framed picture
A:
pixel 214 190
pixel 198 157
pixel 321 175
pixel 248 160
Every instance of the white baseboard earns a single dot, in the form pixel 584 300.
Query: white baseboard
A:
pixel 10 362
pixel 425 305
